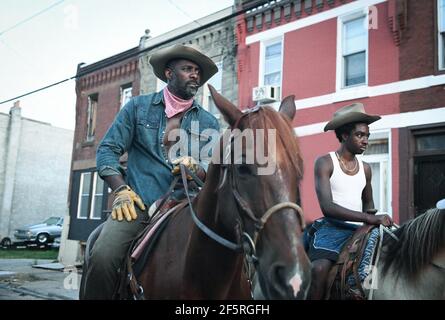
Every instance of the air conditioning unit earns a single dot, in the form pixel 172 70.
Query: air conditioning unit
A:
pixel 266 94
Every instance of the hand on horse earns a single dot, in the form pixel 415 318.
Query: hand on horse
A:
pixel 380 219
pixel 188 162
pixel 123 204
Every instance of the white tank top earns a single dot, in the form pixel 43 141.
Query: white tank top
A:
pixel 347 190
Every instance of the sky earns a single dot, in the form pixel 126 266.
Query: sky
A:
pixel 43 41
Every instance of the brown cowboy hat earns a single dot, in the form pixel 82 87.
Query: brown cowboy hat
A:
pixel 349 114
pixel 160 59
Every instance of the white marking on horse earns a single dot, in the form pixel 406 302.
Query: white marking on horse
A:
pixel 295 282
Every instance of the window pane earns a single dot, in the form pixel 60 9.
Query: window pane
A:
pixel 355 69
pixel 86 183
pixel 272 79
pixel 377 147
pixel 273 65
pixel 126 94
pixel 442 36
pixel 273 50
pixel 97 210
pixel 430 142
pixel 355 36
pixel 84 200
pixel 97 213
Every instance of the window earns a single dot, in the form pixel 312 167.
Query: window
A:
pixel 92 112
pixel 272 64
pixel 90 196
pixel 125 94
pixel 354 51
pixel 84 195
pixel 216 82
pixel 441 35
pixel 377 156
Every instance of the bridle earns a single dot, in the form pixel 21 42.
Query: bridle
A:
pixel 248 242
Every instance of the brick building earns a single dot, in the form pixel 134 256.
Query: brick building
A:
pixel 102 88
pixel 387 54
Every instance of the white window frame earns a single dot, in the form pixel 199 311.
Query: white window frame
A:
pixel 79 201
pixel 92 196
pixel 340 69
pixel 441 53
pixel 262 63
pixel 92 106
pixel 381 158
pixel 123 89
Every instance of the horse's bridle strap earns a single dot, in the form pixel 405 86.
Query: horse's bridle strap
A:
pixel 226 243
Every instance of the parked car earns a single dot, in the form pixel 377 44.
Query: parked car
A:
pixel 41 233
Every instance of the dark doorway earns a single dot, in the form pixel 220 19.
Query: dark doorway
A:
pixel 429 182
pixel 429 169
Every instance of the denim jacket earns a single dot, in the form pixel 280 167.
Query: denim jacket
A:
pixel 139 130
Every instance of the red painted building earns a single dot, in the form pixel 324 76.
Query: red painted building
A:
pixel 387 54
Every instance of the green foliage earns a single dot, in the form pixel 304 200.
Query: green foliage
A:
pixel 28 253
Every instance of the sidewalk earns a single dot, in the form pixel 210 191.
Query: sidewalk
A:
pixel 38 280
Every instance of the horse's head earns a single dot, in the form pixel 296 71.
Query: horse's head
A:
pixel 260 168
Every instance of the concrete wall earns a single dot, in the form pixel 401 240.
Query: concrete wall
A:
pixel 40 178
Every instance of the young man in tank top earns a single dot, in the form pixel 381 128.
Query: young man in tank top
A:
pixel 343 186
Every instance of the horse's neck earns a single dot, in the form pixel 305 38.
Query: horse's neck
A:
pixel 207 198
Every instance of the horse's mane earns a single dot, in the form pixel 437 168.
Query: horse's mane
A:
pixel 287 141
pixel 419 241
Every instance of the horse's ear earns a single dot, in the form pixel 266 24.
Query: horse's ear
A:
pixel 230 112
pixel 288 107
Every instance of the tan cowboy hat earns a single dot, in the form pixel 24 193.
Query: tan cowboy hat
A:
pixel 160 59
pixel 349 114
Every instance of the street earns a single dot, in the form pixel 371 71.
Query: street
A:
pixel 30 279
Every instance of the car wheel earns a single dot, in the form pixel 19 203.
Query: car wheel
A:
pixel 6 243
pixel 42 238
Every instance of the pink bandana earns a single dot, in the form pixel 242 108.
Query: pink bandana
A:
pixel 175 105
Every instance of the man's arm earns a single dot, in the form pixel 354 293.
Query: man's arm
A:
pixel 114 144
pixel 367 200
pixel 323 171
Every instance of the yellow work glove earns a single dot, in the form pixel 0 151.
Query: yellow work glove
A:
pixel 123 204
pixel 187 161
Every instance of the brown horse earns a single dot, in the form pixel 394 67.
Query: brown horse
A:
pixel 413 267
pixel 238 213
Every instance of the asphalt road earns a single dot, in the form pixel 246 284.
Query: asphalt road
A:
pixel 28 279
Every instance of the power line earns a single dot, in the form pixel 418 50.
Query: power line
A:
pixel 31 17
pixel 131 53
pixel 183 12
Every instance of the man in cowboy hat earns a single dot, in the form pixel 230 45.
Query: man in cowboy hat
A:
pixel 142 129
pixel 343 186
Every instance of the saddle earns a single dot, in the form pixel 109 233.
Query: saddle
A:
pixel 347 266
pixel 141 247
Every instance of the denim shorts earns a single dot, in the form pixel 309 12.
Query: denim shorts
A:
pixel 326 237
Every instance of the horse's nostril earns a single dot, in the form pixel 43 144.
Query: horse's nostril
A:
pixel 278 280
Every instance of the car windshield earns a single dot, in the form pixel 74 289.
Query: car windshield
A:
pixel 52 221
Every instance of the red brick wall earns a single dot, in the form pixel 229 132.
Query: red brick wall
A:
pixel 418 56
pixel 106 83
